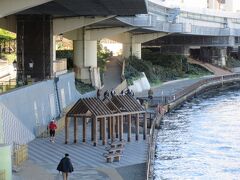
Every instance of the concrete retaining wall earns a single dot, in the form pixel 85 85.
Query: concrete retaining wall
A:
pixel 140 84
pixel 24 110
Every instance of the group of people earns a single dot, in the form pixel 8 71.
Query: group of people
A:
pixel 107 94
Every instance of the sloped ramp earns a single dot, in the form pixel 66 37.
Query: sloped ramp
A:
pixel 215 70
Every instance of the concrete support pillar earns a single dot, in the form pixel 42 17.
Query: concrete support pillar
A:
pixel 214 55
pixel 137 127
pixel 34 44
pixel 84 129
pixel 84 57
pixel 75 129
pixel 66 130
pixel 132 49
pixel 104 131
pixel 129 127
pixel 6 161
pixel 54 48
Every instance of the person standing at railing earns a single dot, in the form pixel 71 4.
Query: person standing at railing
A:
pixel 52 127
pixel 150 93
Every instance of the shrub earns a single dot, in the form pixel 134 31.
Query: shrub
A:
pixel 66 54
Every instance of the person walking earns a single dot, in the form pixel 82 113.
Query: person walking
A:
pixel 65 166
pixel 52 127
pixel 98 93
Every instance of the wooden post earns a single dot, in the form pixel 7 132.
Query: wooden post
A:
pixel 121 128
pixel 129 127
pixel 92 130
pixel 75 129
pixel 137 127
pixel 84 129
pixel 117 126
pixel 101 128
pixel 145 126
pixel 113 129
pixel 109 127
pixel 95 131
pixel 66 130
pixel 104 131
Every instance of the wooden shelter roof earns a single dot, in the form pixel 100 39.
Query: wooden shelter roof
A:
pixel 111 105
pixel 127 103
pixel 95 105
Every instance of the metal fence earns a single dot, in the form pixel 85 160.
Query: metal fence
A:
pixel 169 99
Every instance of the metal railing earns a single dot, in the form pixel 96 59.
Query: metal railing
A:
pixel 169 99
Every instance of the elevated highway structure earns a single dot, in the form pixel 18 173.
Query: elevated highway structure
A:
pixel 130 22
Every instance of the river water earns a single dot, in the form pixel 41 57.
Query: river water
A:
pixel 201 139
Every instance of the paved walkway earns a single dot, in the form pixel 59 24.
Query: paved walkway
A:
pixel 214 69
pixel 112 76
pixel 88 161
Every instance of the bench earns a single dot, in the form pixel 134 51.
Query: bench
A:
pixel 115 150
pixel 112 157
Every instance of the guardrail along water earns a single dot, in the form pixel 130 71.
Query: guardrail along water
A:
pixel 200 140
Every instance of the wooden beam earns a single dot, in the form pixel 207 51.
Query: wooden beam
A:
pixel 145 126
pixel 66 130
pixel 104 131
pixel 95 131
pixel 84 129
pixel 137 127
pixel 129 127
pixel 75 129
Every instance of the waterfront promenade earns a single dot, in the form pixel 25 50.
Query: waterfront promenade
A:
pixel 88 160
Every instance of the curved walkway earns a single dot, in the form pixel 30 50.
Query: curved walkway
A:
pixel 214 69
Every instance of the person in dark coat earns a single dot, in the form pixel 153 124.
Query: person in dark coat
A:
pixel 65 166
pixel 98 93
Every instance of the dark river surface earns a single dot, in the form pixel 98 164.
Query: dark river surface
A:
pixel 201 139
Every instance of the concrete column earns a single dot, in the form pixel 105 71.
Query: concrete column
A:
pixel 1 128
pixel 127 50
pixel 66 130
pixel 137 50
pixel 84 56
pixel 75 129
pixel 129 127
pixel 6 161
pixel 104 131
pixel 84 129
pixel 54 48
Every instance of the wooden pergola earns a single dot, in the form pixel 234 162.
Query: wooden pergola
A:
pixel 130 107
pixel 111 111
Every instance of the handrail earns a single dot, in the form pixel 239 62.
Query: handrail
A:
pixel 172 98
pixel 151 145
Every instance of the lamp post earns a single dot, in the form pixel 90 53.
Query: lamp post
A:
pixel 21 72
